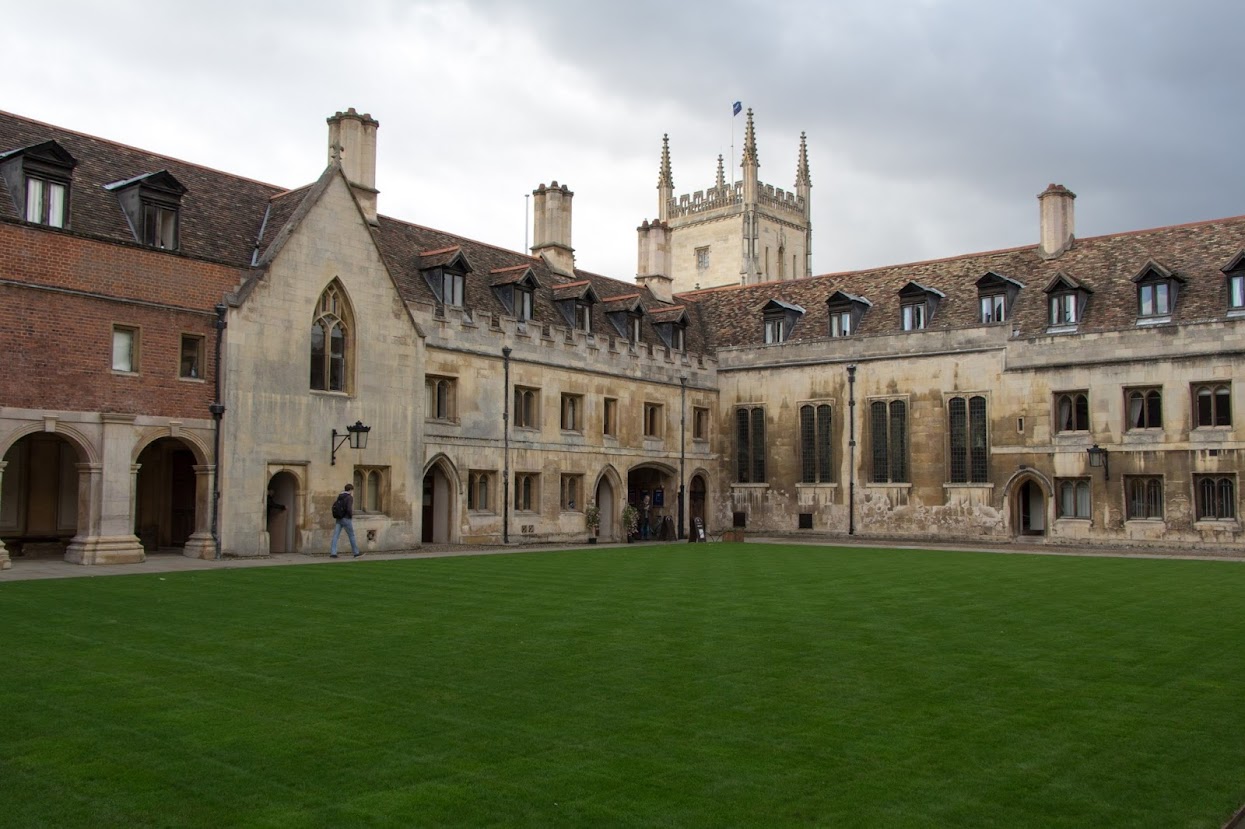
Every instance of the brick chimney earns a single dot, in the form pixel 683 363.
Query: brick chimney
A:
pixel 551 237
pixel 653 260
pixel 352 141
pixel 1058 224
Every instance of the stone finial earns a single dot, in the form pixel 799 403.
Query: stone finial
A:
pixel 665 178
pixel 802 177
pixel 750 145
pixel 721 185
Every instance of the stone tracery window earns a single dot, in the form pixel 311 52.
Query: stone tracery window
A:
pixel 331 343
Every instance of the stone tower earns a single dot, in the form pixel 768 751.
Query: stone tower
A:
pixel 739 232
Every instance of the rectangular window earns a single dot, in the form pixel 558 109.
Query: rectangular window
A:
pixel 775 331
pixel 609 421
pixel 523 304
pixel 1236 290
pixel 914 316
pixel 527 492
pixel 1216 497
pixel 124 348
pixel 654 420
pixel 583 317
pixel 678 338
pixel 191 364
pixel 633 329
pixel 994 308
pixel 480 490
pixel 750 445
pixel 1143 495
pixel 1212 405
pixel 453 285
pixel 702 259
pixel 526 408
pixel 159 226
pixel 1073 494
pixel 1072 411
pixel 371 485
pixel 1063 309
pixel 572 413
pixel 815 454
pixel 966 421
pixel 45 201
pixel 841 323
pixel 441 398
pixel 888 429
pixel 572 489
pixel 700 423
pixel 1153 299
pixel 1144 409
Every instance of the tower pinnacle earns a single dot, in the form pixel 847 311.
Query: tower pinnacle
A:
pixel 664 176
pixel 721 183
pixel 802 178
pixel 750 144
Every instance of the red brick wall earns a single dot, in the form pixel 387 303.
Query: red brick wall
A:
pixel 57 349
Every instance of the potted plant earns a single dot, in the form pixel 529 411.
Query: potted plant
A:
pixel 592 520
pixel 631 521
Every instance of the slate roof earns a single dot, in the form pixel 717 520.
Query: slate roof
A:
pixel 1104 266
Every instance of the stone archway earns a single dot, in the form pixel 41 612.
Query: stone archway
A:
pixel 653 490
pixel 281 513
pixel 165 495
pixel 39 496
pixel 1028 497
pixel 439 504
pixel 607 504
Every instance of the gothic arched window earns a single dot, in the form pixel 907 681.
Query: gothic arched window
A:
pixel 331 341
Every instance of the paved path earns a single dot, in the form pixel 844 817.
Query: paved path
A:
pixel 173 562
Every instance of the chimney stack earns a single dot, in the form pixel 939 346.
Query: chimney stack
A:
pixel 552 234
pixel 352 142
pixel 1058 224
pixel 653 262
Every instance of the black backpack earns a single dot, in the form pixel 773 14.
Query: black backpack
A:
pixel 339 507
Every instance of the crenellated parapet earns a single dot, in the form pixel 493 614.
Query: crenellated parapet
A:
pixel 484 333
pixel 731 197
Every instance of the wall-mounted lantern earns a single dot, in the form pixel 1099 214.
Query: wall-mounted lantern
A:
pixel 1097 458
pixel 356 434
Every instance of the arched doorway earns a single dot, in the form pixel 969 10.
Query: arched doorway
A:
pixel 652 489
pixel 164 503
pixel 438 506
pixel 281 509
pixel 39 501
pixel 605 503
pixel 696 502
pixel 1029 509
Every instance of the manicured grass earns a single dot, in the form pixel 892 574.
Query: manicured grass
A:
pixel 682 685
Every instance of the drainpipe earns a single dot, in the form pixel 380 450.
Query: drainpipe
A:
pixel 682 449
pixel 851 450
pixel 505 428
pixel 218 410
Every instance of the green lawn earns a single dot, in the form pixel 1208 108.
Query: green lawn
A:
pixel 681 685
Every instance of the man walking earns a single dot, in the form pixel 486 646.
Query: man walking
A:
pixel 343 511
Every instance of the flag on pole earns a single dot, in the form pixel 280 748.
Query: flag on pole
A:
pixel 736 108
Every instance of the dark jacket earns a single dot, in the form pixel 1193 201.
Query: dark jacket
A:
pixel 348 503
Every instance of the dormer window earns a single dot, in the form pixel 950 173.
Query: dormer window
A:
pixel 516 288
pixel 633 328
pixel 846 311
pixel 995 295
pixel 670 323
pixel 917 305
pixel 678 337
pixel 1235 272
pixel 779 319
pixel 38 179
pixel 1157 288
pixel 152 203
pixel 575 301
pixel 1067 298
pixel 445 271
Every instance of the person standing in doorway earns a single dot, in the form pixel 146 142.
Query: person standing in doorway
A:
pixel 343 511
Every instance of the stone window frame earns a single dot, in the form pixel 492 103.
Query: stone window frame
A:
pixel 527 491
pixel 889 457
pixel 968 438
pixel 571 490
pixel 196 368
pixel 750 444
pixel 527 407
pixel 1143 498
pixel 816 430
pixel 441 398
pixel 371 487
pixel 333 312
pixel 480 489
pixel 1148 404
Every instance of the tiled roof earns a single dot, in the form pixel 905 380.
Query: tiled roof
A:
pixel 220 214
pixel 1104 266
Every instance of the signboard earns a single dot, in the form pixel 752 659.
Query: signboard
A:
pixel 659 497
pixel 698 530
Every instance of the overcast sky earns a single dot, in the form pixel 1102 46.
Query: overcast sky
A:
pixel 932 124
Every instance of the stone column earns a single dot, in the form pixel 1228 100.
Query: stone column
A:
pixel 106 499
pixel 201 544
pixel 5 561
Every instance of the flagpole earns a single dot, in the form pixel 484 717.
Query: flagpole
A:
pixel 731 160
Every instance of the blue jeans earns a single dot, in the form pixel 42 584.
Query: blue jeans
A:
pixel 346 524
